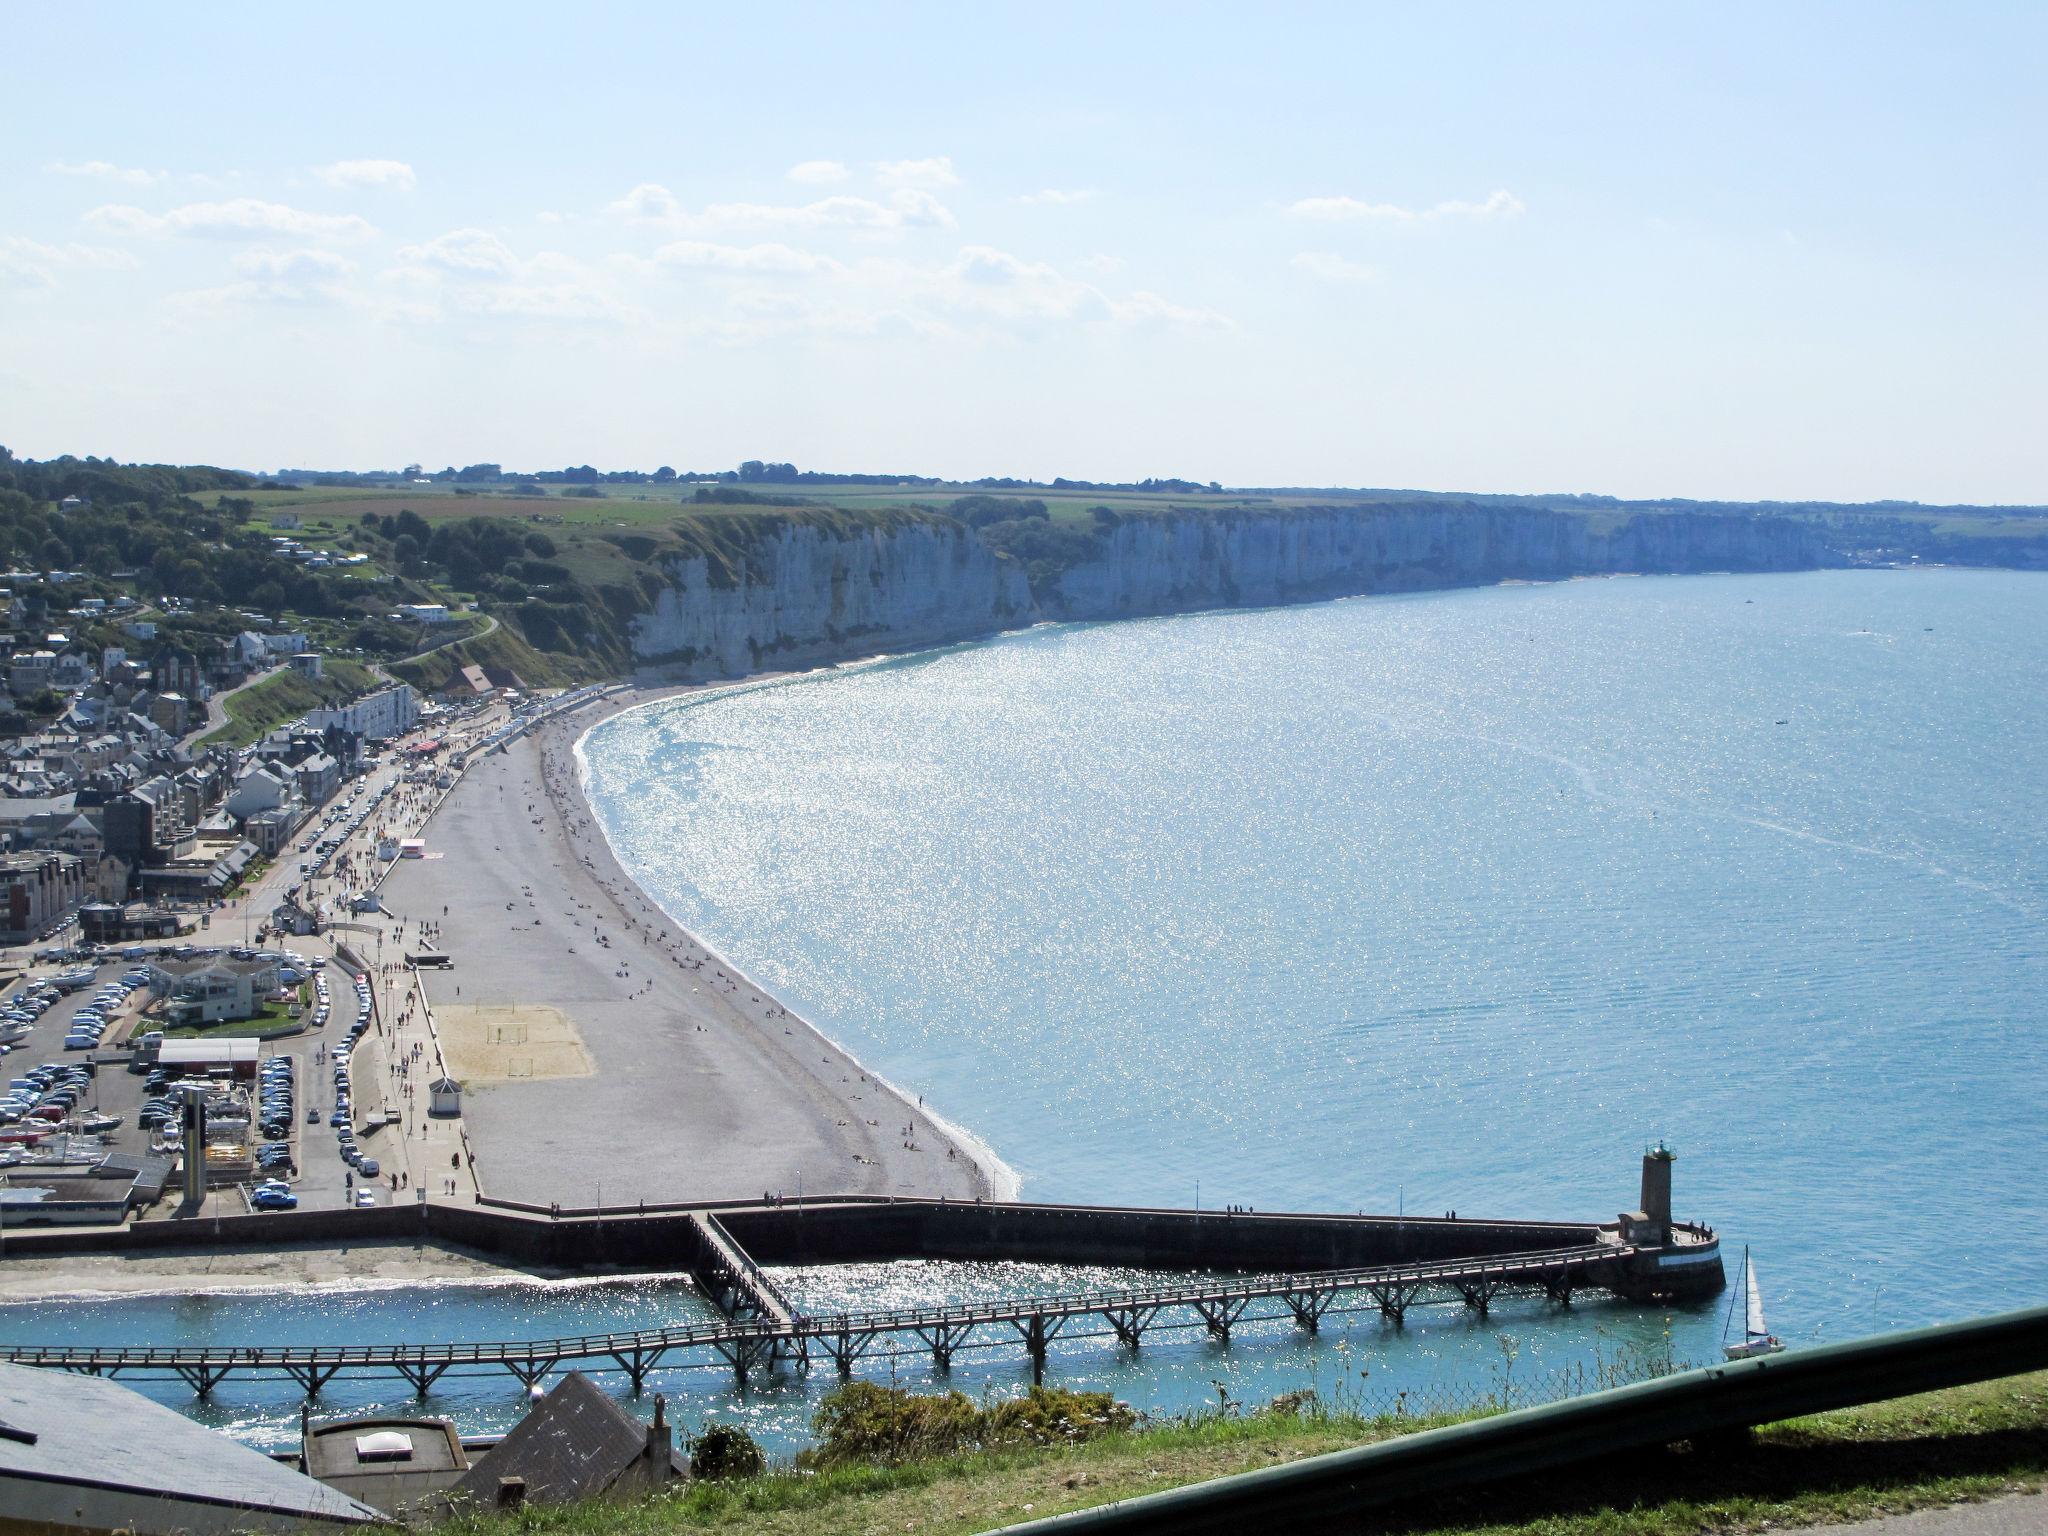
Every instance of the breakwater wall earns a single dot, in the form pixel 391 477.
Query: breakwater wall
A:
pixel 850 1230
pixel 807 592
pixel 1134 1238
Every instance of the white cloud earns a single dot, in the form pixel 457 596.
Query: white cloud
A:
pixel 1500 204
pixel 935 172
pixel 1334 268
pixel 239 218
pixel 818 173
pixel 994 286
pixel 912 206
pixel 31 264
pixel 907 207
pixel 471 272
pixel 393 174
pixel 768 257
pixel 293 266
pixel 648 203
pixel 468 251
pixel 570 300
pixel 978 292
pixel 104 170
pixel 1149 309
pixel 1057 197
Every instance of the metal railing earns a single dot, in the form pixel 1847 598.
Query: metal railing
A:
pixel 1322 1492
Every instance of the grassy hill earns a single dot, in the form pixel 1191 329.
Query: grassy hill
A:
pixel 283 696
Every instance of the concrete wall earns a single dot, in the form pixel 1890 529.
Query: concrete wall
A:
pixel 841 1232
pixel 1150 1239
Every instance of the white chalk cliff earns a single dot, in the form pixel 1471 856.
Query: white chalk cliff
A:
pixel 805 594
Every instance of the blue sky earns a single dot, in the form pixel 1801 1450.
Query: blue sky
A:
pixel 1756 251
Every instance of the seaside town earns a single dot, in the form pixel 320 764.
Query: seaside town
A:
pixel 200 923
pixel 1224 769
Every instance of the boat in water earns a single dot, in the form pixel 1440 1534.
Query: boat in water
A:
pixel 1757 1338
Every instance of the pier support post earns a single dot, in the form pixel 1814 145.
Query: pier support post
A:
pixel 942 1339
pixel 1220 1314
pixel 311 1378
pixel 1130 1323
pixel 1479 1295
pixel 1394 1299
pixel 203 1378
pixel 1037 1332
pixel 528 1371
pixel 743 1355
pixel 845 1347
pixel 1308 1307
pixel 637 1363
pixel 423 1373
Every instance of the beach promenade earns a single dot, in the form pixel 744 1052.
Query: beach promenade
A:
pixel 605 1053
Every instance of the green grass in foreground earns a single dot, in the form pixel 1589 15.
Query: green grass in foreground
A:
pixel 1968 1444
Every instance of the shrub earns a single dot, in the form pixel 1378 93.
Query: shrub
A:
pixel 725 1451
pixel 863 1422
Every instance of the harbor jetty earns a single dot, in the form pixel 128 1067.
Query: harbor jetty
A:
pixel 1219 1271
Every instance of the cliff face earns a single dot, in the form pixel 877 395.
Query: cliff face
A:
pixel 808 594
pixel 1161 565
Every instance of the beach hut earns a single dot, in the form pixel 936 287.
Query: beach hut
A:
pixel 444 1097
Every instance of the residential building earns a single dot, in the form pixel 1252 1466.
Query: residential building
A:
pixel 38 891
pixel 29 672
pixel 576 1443
pixel 84 1454
pixel 375 716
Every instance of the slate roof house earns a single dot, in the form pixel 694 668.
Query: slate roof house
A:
pixel 575 1443
pixel 78 1453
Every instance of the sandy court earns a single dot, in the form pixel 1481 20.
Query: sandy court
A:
pixel 485 1043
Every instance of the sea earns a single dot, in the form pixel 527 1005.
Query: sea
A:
pixel 1416 903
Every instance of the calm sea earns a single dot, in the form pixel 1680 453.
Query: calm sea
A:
pixel 1442 901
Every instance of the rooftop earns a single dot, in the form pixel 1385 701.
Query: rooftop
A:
pixel 84 1433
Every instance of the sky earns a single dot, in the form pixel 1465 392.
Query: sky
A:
pixel 1754 251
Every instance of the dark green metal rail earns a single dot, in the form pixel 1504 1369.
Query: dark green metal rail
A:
pixel 1326 1490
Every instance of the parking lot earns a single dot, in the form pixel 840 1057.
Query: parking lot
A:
pixel 71 1098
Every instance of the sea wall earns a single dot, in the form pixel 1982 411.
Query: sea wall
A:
pixel 805 594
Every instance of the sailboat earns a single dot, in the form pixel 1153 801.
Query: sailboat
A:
pixel 1757 1339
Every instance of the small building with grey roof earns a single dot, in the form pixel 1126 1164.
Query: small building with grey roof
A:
pixel 78 1453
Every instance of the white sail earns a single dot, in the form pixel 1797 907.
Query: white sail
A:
pixel 1754 1323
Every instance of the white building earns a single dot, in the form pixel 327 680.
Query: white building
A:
pixel 262 788
pixel 207 991
pixel 375 716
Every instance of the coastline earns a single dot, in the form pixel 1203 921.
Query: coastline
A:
pixel 1001 1182
pixel 700 1083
